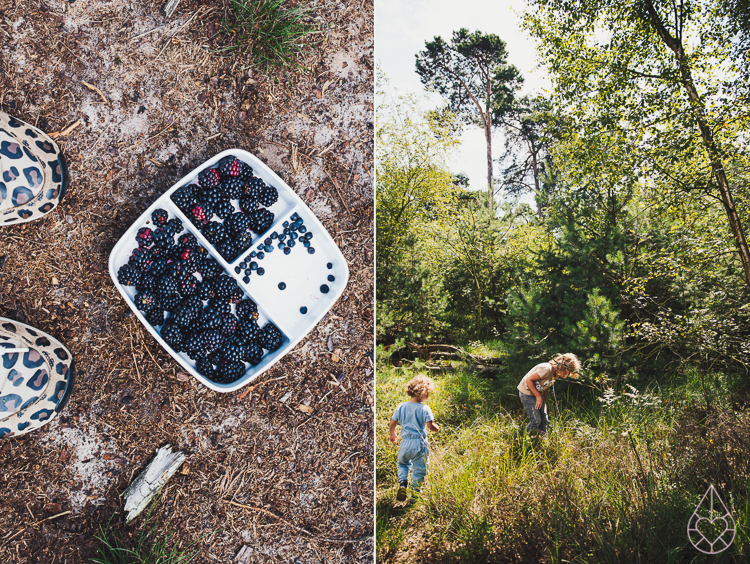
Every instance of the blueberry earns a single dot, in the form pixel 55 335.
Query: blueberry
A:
pixel 267 241
pixel 285 224
pixel 260 256
pixel 293 227
pixel 311 250
pixel 330 265
pixel 253 265
pixel 248 272
pixel 303 229
pixel 268 248
pixel 245 279
pixel 274 235
pixel 303 310
pixel 324 288
pixel 237 269
pixel 281 245
pixel 287 231
pixel 282 285
pixel 309 236
pixel 261 271
pixel 306 243
pixel 243 265
pixel 331 278
pixel 287 250
pixel 291 243
pixel 294 217
pixel 253 254
pixel 260 247
pixel 293 235
pixel 282 237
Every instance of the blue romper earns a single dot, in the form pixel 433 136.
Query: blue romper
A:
pixel 414 449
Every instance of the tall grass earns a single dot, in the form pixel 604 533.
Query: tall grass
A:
pixel 613 481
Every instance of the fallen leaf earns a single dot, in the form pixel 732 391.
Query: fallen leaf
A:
pixel 286 397
pixel 335 358
pixel 305 408
pixel 330 344
pixel 182 377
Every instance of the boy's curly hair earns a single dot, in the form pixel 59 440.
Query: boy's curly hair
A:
pixel 569 361
pixel 419 386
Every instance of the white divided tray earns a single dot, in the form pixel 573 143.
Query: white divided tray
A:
pixel 303 273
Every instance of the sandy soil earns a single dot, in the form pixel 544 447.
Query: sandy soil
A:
pixel 160 105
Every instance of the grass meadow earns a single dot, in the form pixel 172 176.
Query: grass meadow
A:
pixel 615 480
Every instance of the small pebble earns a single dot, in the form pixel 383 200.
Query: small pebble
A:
pixel 324 288
pixel 282 285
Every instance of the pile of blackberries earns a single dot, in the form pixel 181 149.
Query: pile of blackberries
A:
pixel 200 309
pixel 227 204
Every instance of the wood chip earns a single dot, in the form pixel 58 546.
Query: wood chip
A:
pixel 95 89
pixel 304 408
pixel 66 131
pixel 55 281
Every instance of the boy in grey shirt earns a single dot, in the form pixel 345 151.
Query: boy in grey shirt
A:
pixel 415 418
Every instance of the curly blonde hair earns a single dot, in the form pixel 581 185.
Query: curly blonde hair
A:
pixel 419 386
pixel 569 361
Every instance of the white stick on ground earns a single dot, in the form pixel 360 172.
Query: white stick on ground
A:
pixel 150 482
pixel 170 7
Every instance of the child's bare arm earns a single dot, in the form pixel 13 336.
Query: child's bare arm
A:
pixel 392 431
pixel 432 426
pixel 530 384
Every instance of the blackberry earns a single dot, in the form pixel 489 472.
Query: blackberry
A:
pixel 213 196
pixel 230 166
pixel 141 259
pixel 163 237
pixel 324 289
pixel 189 255
pixel 246 171
pixel 215 232
pixel 225 286
pixel 200 213
pixel 128 275
pixel 166 285
pixel 236 296
pixel 261 220
pixel 248 204
pixel 249 330
pixel 189 285
pixel 172 334
pixel 184 315
pixel 242 242
pixel 145 301
pixel 174 225
pixel 228 371
pixel 147 283
pixel 271 337
pixel 184 197
pixel 170 302
pixel 268 196
pixel 159 217
pixel 228 324
pixel 158 266
pixel 188 240
pixel 207 289
pixel 208 178
pixel 209 319
pixel 234 188
pixel 206 367
pixel 155 316
pixel 145 237
pixel 254 187
pixel 193 344
pixel 209 267
pixel 233 348
pixel 212 340
pixel 238 222
pixel 227 249
pixel 253 353
pixel 224 209
pixel 246 308
pixel 221 305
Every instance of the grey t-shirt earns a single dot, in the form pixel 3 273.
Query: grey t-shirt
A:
pixel 413 418
pixel 546 378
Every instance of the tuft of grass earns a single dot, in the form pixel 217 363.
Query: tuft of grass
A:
pixel 151 547
pixel 273 35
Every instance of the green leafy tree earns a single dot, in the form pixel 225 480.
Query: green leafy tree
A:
pixel 663 79
pixel 472 73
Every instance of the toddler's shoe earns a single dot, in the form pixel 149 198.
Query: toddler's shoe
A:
pixel 36 378
pixel 33 173
pixel 401 495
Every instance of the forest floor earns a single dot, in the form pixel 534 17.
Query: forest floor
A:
pixel 161 104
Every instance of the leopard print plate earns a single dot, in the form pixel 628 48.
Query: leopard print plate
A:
pixel 36 378
pixel 33 174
